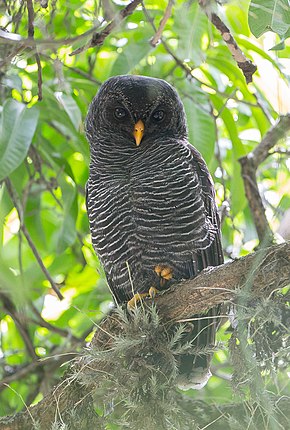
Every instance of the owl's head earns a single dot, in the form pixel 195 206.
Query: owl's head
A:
pixel 133 111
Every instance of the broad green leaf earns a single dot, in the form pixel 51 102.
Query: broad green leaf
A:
pixel 281 45
pixel 12 81
pixel 265 15
pixel 10 284
pixel 67 233
pixel 201 129
pixel 17 128
pixel 236 13
pixel 138 47
pixel 251 45
pixel 238 199
pixel 190 31
pixel 71 108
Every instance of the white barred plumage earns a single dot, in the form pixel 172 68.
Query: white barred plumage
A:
pixel 151 204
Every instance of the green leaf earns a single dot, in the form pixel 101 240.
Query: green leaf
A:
pixel 201 129
pixel 190 31
pixel 281 44
pixel 67 233
pixel 136 49
pixel 251 45
pixel 71 108
pixel 17 127
pixel 265 15
pixel 238 199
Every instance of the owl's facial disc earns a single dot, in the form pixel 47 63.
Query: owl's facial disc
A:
pixel 138 131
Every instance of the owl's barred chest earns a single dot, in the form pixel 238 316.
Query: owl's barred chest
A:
pixel 155 190
pixel 156 202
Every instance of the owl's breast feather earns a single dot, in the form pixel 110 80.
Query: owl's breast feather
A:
pixel 166 201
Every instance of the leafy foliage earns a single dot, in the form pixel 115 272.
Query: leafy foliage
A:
pixel 44 154
pixel 271 15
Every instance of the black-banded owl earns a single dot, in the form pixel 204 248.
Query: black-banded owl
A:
pixel 150 200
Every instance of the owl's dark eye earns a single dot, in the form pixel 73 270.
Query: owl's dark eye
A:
pixel 120 113
pixel 158 115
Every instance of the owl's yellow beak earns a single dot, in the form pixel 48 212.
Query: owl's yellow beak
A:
pixel 138 131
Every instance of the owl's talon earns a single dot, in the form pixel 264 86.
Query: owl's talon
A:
pixel 158 270
pixel 165 274
pixel 162 282
pixel 131 304
pixel 152 292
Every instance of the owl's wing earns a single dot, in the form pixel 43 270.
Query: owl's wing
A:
pixel 194 369
pixel 213 255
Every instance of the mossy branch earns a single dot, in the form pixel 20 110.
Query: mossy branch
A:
pixel 103 370
pixel 261 273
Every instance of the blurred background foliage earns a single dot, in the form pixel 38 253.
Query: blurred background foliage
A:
pixel 44 153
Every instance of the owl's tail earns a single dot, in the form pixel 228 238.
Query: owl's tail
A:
pixel 194 367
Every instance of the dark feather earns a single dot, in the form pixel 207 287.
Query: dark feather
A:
pixel 153 204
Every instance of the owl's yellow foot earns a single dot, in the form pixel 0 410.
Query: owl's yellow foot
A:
pixel 138 297
pixel 165 274
pixel 135 299
pixel 152 292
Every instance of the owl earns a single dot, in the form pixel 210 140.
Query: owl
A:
pixel 151 201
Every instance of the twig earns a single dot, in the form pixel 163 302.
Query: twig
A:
pixel 16 39
pixel 156 38
pixel 30 11
pixel 24 230
pixel 39 76
pixel 250 164
pixel 276 132
pixel 280 151
pixel 98 38
pixel 247 67
pixel 43 323
pixel 20 324
pixel 54 361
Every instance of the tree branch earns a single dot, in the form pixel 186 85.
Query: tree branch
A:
pixel 247 67
pixel 261 273
pixel 24 230
pixel 156 38
pixel 98 38
pixel 250 164
pixel 30 11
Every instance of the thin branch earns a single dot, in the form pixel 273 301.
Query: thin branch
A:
pixel 20 324
pixel 247 67
pixel 39 76
pixel 30 19
pixel 30 11
pixel 277 132
pixel 156 38
pixel 24 230
pixel 98 38
pixel 43 323
pixel 54 361
pixel 16 39
pixel 21 43
pixel 250 164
